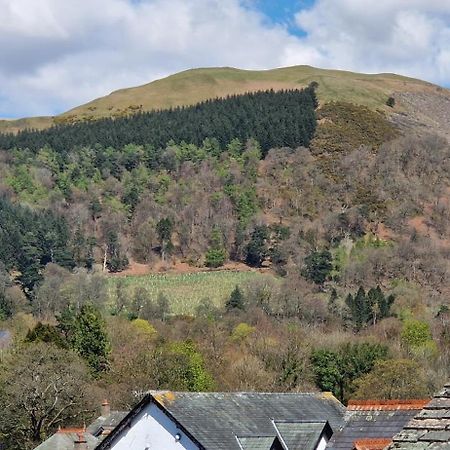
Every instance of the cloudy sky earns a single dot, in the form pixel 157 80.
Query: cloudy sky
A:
pixel 56 54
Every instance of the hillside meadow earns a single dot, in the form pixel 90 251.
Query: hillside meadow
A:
pixel 185 291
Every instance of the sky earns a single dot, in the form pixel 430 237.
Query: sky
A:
pixel 57 54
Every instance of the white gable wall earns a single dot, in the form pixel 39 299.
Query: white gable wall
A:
pixel 322 443
pixel 151 429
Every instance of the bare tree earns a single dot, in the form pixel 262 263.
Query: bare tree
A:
pixel 41 388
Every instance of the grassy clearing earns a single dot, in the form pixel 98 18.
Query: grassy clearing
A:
pixel 185 291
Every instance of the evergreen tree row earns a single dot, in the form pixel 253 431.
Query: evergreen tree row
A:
pixel 29 240
pixel 274 119
pixel 368 307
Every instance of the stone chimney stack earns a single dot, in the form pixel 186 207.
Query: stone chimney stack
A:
pixel 106 409
pixel 80 442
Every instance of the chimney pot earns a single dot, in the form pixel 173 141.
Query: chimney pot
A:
pixel 80 442
pixel 106 409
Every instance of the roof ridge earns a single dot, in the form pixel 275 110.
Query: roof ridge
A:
pixel 371 443
pixel 403 404
pixel 234 392
pixel 298 421
pixel 71 430
pixel 388 402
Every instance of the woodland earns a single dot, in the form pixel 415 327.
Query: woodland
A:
pixel 349 213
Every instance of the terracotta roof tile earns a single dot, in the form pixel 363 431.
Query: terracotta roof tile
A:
pixel 386 405
pixel 72 430
pixel 371 444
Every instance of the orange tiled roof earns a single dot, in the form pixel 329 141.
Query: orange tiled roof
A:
pixel 371 444
pixel 386 405
pixel 72 430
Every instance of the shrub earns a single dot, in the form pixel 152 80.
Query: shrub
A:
pixel 215 257
pixel 390 102
pixel 242 331
pixel 393 380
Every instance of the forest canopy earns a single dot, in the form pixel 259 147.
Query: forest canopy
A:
pixel 274 119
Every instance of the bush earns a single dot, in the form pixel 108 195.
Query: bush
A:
pixel 242 331
pixel 336 371
pixel 390 102
pixel 393 380
pixel 415 333
pixel 318 266
pixel 215 257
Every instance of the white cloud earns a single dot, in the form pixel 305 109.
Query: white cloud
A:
pixel 55 54
pixel 410 37
pixel 65 52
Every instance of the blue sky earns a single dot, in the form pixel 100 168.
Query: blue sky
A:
pixel 283 11
pixel 57 54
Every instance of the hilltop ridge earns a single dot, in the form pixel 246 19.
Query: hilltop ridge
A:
pixel 195 85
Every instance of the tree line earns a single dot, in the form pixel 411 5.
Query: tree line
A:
pixel 275 119
pixel 31 239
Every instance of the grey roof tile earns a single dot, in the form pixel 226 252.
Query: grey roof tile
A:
pixel 431 426
pixel 368 424
pixel 421 423
pixel 62 440
pixel 220 416
pixel 300 435
pixel 257 442
pixel 436 436
pixel 215 419
pixel 108 422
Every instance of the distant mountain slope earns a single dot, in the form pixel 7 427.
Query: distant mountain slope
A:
pixel 192 86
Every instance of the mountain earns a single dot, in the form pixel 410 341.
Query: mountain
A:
pixel 192 86
pixel 286 242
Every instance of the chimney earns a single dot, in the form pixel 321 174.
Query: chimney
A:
pixel 80 442
pixel 106 409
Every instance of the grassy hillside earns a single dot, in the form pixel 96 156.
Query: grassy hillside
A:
pixel 192 86
pixel 38 123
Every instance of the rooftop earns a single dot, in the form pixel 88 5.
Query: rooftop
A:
pixel 64 439
pixel 371 444
pixel 430 428
pixel 369 422
pixel 217 420
pixel 104 424
pixel 259 443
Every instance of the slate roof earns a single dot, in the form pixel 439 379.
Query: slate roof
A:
pixel 215 419
pixel 374 420
pixel 102 425
pixel 94 433
pixel 64 440
pixel 302 435
pixel 430 429
pixel 259 443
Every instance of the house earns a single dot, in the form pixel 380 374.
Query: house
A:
pixel 228 421
pixel 371 424
pixel 430 428
pixel 69 439
pixel 166 420
pixel 106 422
pixel 86 438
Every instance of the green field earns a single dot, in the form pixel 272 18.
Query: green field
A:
pixel 185 291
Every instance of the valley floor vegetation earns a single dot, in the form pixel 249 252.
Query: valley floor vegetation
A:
pixel 355 231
